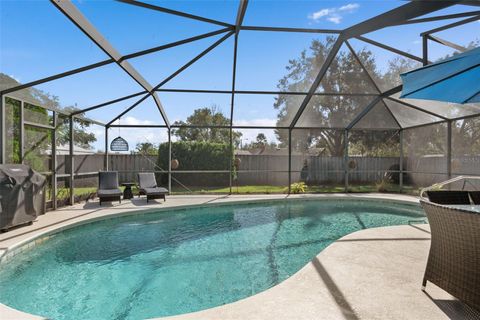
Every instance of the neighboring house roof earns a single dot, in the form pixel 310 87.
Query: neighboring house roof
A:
pixel 64 149
pixel 279 152
pixel 242 152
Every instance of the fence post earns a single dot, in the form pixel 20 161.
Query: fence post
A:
pixel 54 161
pixel 232 158
pixel 345 159
pixel 449 149
pixel 72 163
pixel 105 159
pixel 3 132
pixel 289 159
pixel 22 131
pixel 169 160
pixel 400 178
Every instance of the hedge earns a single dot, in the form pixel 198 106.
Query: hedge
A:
pixel 193 155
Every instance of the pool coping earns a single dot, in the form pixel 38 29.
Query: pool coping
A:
pixel 37 237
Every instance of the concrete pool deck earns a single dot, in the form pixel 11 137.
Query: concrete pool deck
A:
pixel 370 274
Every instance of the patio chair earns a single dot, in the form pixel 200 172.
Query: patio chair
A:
pixel 148 186
pixel 475 195
pixel 108 189
pixel 448 197
pixel 454 257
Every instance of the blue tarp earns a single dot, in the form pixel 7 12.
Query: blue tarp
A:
pixel 456 79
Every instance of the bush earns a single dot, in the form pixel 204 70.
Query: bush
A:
pixel 299 187
pixel 194 155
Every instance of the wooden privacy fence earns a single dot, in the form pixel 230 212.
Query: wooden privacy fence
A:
pixel 273 169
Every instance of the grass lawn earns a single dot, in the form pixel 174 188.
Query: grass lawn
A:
pixel 263 189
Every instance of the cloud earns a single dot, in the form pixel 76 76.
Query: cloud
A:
pixel 133 121
pixel 250 135
pixel 132 135
pixel 333 15
pixel 335 18
pixel 349 7
pixel 319 14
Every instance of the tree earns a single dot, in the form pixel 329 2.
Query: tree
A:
pixel 36 100
pixel 146 148
pixel 82 138
pixel 206 117
pixel 261 139
pixel 344 75
pixel 261 142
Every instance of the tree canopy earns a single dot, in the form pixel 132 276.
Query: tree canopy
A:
pixel 202 117
pixel 344 75
pixel 37 99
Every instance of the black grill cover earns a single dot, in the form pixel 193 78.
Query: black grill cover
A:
pixel 22 196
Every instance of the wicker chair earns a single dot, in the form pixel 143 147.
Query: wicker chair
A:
pixel 475 195
pixel 448 197
pixel 454 259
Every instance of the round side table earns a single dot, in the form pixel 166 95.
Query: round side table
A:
pixel 127 193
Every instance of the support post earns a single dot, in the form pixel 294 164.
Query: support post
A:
pixel 72 162
pixel 105 158
pixel 22 131
pixel 232 159
pixel 169 160
pixel 400 178
pixel 3 132
pixel 345 159
pixel 425 49
pixel 54 161
pixel 449 149
pixel 289 160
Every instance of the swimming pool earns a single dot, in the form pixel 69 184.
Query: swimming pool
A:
pixel 182 260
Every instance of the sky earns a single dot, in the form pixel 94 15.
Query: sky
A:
pixel 36 41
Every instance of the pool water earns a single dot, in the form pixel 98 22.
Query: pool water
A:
pixel 179 261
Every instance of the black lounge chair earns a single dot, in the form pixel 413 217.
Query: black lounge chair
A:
pixel 448 197
pixel 108 186
pixel 475 195
pixel 148 186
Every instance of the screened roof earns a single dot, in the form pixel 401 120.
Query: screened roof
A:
pixel 291 64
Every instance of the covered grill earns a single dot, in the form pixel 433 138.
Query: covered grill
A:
pixel 22 196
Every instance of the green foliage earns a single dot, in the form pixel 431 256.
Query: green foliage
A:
pixel 298 187
pixel 206 117
pixel 344 74
pixel 378 143
pixel 83 138
pixel 145 148
pixel 261 142
pixel 193 155
pixel 383 184
pixel 38 141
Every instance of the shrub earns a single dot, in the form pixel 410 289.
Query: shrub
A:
pixel 298 187
pixel 193 155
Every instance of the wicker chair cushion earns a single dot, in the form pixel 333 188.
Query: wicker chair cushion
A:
pixel 448 197
pixel 475 195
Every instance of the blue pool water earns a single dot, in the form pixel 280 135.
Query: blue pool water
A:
pixel 174 262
